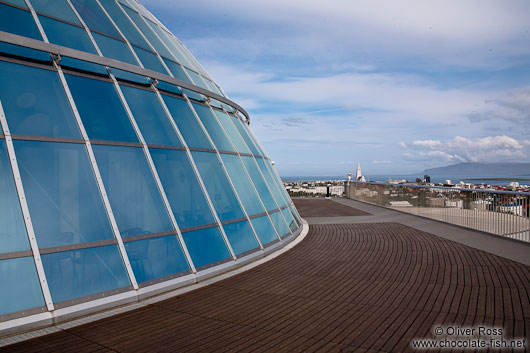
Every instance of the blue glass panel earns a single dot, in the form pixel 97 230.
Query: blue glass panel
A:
pixel 215 131
pixel 232 132
pixel 290 220
pixel 80 273
pixel 19 51
pixel 150 117
pixel 150 61
pixel 241 237
pixel 18 21
pixel 101 110
pixel 295 215
pixel 114 49
pixel 56 8
pixel 155 258
pixel 265 230
pixel 206 246
pixel 217 185
pixel 67 35
pixel 197 79
pixel 82 65
pixel 187 123
pixel 94 17
pixel 13 235
pixel 35 102
pixel 125 25
pixel 20 285
pixel 168 87
pixel 279 224
pixel 182 188
pixel 171 42
pixel 194 95
pixel 62 194
pixel 244 133
pixel 177 70
pixel 147 32
pixel 271 181
pixel 20 3
pixel 242 184
pixel 129 76
pixel 132 191
pixel 261 186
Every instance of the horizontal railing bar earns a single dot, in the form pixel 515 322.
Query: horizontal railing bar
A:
pixel 77 54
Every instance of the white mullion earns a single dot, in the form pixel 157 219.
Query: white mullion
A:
pixel 92 157
pixel 223 165
pixel 36 19
pixel 121 33
pixel 196 170
pixel 251 182
pixel 25 212
pixel 259 147
pixel 145 38
pixel 155 174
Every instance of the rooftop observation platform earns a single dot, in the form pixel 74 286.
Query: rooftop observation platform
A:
pixel 364 279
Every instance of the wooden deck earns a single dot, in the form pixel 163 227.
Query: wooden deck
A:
pixel 319 207
pixel 369 287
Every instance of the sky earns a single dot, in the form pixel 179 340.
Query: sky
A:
pixel 398 86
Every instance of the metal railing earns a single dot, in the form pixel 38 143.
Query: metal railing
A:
pixel 503 213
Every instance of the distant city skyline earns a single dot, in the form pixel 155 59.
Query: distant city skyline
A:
pixel 397 86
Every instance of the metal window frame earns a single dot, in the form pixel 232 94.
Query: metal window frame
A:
pixel 248 176
pixel 194 166
pixel 224 167
pixel 154 173
pixel 80 55
pixel 25 211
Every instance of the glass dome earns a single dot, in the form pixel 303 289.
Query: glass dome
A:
pixel 124 168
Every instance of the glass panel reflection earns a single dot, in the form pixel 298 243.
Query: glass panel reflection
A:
pixel 101 110
pixel 264 229
pixel 94 17
pixel 242 184
pixel 187 123
pixel 80 273
pixel 244 133
pixel 279 224
pixel 261 186
pixel 213 128
pixel 150 61
pixel 67 35
pixel 150 117
pixel 63 198
pixel 206 246
pixel 55 8
pixel 35 103
pixel 134 197
pixel 232 132
pixel 290 220
pixel 114 49
pixel 241 237
pixel 18 21
pixel 126 27
pixel 20 285
pixel 156 258
pixel 13 235
pixel 217 185
pixel 182 188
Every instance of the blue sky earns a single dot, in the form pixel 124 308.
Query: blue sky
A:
pixel 399 86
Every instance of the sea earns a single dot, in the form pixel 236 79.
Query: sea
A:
pixel 412 178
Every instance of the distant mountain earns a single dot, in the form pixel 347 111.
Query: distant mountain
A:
pixel 482 170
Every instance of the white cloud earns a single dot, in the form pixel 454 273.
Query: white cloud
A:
pixel 408 94
pixel 461 149
pixel 513 106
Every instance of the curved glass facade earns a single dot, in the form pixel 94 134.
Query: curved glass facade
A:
pixel 122 163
